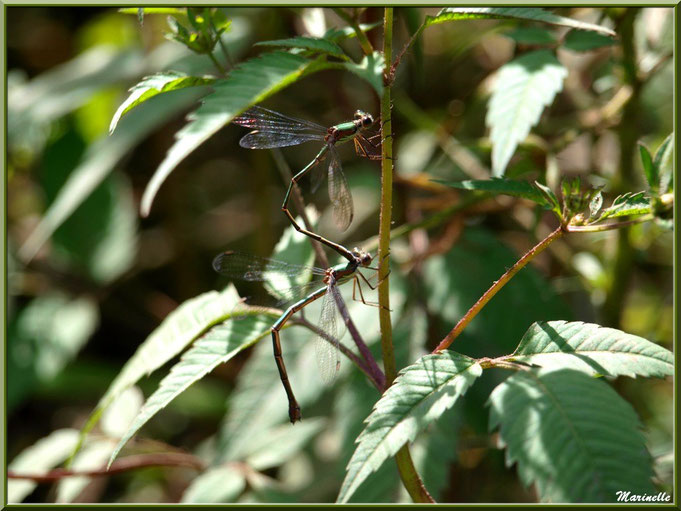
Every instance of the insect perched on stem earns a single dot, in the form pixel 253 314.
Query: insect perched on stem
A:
pixel 260 269
pixel 273 129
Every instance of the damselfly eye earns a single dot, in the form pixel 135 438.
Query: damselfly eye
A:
pixel 359 114
pixel 367 120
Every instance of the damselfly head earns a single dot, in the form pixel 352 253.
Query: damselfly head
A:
pixel 364 257
pixel 365 119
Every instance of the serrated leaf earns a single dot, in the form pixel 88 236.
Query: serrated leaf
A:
pixel 523 88
pixel 315 44
pixel 216 485
pixel 215 347
pixel 497 185
pixel 584 40
pixel 661 161
pixel 595 204
pixel 649 169
pixel 98 161
pixel 531 35
pixel 519 13
pixel 628 204
pixel 190 320
pixel 154 85
pixel 550 198
pixel 571 435
pixel 420 394
pixel 247 84
pixel 593 349
pixel 43 455
pixel 370 69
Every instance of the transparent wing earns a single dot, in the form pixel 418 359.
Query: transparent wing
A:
pixel 262 119
pixel 339 193
pixel 252 268
pixel 328 354
pixel 317 176
pixel 269 139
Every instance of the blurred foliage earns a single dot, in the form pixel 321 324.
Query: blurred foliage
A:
pixel 89 280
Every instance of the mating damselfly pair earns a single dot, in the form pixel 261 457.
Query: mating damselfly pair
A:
pixel 271 130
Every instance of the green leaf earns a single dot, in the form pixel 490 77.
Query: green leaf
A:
pixel 584 40
pixel 531 35
pixel 45 454
pixel 91 457
pixel 595 204
pixel 571 435
pixel 216 485
pixel 592 349
pixel 247 84
pixel 550 197
pixel 336 34
pixel 523 88
pixel 649 168
pixel 220 344
pixel 154 85
pixel 517 13
pixel 99 160
pixel 152 10
pixel 275 446
pixel 370 69
pixel 182 326
pixel 504 186
pixel 628 204
pixel 419 395
pixel 314 44
pixel 662 161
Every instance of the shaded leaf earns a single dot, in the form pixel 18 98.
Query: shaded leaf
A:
pixel 247 84
pixel 43 455
pixel 419 395
pixel 661 161
pixel 518 13
pixel 571 435
pixel 503 186
pixel 523 88
pixel 370 69
pixel 190 320
pixel 584 40
pixel 154 85
pixel 336 34
pixel 92 457
pixel 649 169
pixel 215 347
pixel 307 43
pixel 592 349
pixel 628 204
pixel 531 35
pixel 279 444
pixel 550 197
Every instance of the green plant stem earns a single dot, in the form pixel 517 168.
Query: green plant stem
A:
pixel 361 36
pixel 609 226
pixel 494 289
pixel 405 465
pixel 219 67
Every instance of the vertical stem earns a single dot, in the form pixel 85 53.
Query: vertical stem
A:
pixel 405 465
pixel 386 212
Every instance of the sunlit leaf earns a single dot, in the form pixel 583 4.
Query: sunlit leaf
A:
pixel 550 197
pixel 628 204
pixel 43 455
pixel 279 444
pixel 370 69
pixel 517 13
pixel 154 85
pixel 592 349
pixel 314 44
pixel 247 84
pixel 649 169
pixel 661 161
pixel 175 333
pixel 419 395
pixel 213 348
pixel 571 435
pixel 219 484
pixel 523 88
pixel 91 457
pixel 336 34
pixel 497 185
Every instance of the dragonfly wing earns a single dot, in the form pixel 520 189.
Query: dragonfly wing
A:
pixel 268 120
pixel 270 139
pixel 316 178
pixel 339 193
pixel 252 268
pixel 328 354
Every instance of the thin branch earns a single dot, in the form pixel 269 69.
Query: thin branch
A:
pixel 494 289
pixel 361 36
pixel 121 465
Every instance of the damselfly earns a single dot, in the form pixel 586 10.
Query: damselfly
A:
pixel 247 267
pixel 273 129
